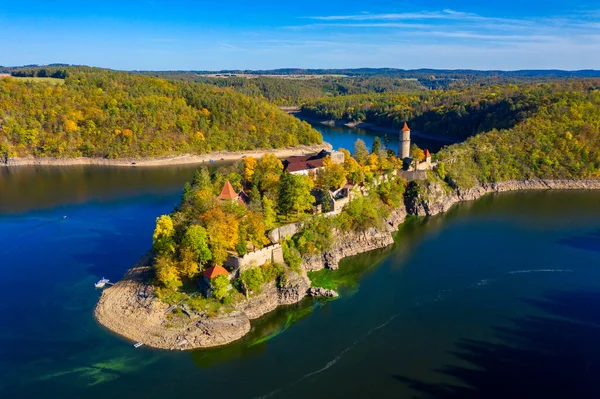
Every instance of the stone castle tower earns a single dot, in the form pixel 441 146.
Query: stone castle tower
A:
pixel 404 150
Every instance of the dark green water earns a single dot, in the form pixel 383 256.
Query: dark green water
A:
pixel 500 295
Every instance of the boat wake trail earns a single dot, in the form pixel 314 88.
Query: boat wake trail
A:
pixel 334 360
pixel 439 296
pixel 541 271
pixel 39 225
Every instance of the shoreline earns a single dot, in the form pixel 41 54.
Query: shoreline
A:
pixel 183 159
pixel 124 311
pixel 371 127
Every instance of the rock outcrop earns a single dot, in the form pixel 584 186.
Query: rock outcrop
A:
pixel 353 243
pixel 320 291
pixel 432 198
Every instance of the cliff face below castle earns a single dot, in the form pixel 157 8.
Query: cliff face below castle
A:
pixel 356 242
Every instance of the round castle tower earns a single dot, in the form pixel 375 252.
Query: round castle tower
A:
pixel 404 149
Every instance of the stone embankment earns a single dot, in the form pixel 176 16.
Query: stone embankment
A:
pixel 435 199
pixel 168 160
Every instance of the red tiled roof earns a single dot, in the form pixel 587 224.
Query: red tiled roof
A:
pixel 427 153
pixel 228 193
pixel 215 271
pixel 304 165
pixel 405 128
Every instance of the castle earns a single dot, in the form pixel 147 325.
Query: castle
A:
pixel 404 151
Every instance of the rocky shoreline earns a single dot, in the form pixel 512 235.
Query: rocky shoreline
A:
pixel 167 160
pixel 130 308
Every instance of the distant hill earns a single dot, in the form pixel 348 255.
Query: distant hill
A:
pixel 102 113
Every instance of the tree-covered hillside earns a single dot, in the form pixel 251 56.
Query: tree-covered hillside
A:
pixel 561 141
pixel 100 113
pixel 452 113
pixel 288 90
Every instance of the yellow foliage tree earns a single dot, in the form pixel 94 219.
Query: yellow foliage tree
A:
pixel 70 126
pixel 167 272
pixel 249 166
pixel 223 231
pixel 163 235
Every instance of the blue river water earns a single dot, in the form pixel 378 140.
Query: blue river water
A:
pixel 496 298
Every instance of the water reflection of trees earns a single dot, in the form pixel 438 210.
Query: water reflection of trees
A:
pixel 554 356
pixel 26 188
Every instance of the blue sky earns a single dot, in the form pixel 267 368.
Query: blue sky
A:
pixel 199 35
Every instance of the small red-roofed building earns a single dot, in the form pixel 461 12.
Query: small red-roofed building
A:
pixel 228 193
pixel 215 271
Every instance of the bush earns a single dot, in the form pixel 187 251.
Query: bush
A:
pixel 315 236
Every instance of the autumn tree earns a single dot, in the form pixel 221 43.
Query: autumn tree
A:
pixel 416 153
pixel 267 174
pixel 332 176
pixel 167 271
pixel 360 151
pixel 249 167
pixel 223 231
pixel 269 213
pixel 162 239
pixel 354 172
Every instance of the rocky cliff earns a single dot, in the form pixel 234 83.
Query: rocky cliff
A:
pixel 432 198
pixel 353 243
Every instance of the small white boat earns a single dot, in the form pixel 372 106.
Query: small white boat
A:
pixel 102 283
pixel 138 344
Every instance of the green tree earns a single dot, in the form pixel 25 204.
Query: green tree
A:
pixel 255 202
pixel 361 152
pixel 220 287
pixel 269 213
pixel 302 199
pixel 196 240
pixel 376 146
pixel 285 198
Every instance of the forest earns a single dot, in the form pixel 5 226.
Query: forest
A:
pixel 561 140
pixel 295 91
pixel 459 113
pixel 102 113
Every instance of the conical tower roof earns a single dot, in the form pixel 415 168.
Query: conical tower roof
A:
pixel 228 193
pixel 405 128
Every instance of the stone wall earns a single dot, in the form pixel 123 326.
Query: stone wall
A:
pixel 413 174
pixel 281 232
pixel 272 253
